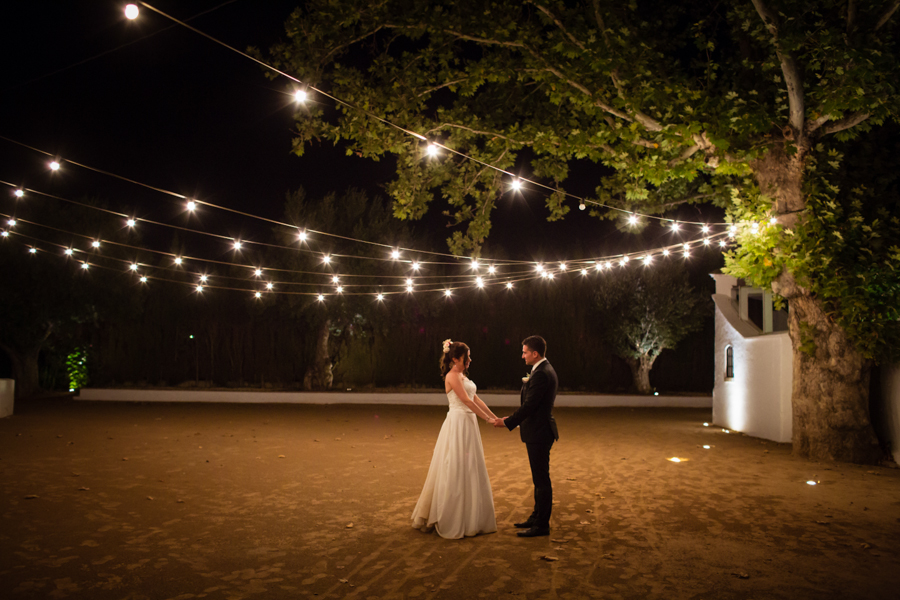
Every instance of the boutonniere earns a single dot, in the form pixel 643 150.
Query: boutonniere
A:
pixel 526 378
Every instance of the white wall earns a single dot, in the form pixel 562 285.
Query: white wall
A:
pixel 409 398
pixel 757 400
pixel 890 396
pixel 7 397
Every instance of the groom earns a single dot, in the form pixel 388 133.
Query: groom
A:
pixel 538 430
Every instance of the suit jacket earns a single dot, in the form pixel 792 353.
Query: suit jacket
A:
pixel 534 417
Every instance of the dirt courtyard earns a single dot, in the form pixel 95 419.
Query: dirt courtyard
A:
pixel 224 501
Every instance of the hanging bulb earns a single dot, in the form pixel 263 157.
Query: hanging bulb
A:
pixel 395 254
pixel 448 293
pixel 258 294
pixel 19 193
pixel 300 96
pixel 632 219
pixel 270 285
pixel 191 205
pixel 301 236
pixel 509 285
pixel 131 12
pixel 379 297
pixel 479 282
pixel 492 269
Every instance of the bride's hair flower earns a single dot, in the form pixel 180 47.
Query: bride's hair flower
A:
pixel 446 345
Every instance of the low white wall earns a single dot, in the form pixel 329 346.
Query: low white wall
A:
pixel 7 397
pixel 409 398
pixel 890 396
pixel 757 400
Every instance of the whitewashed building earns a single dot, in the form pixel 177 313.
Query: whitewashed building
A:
pixel 754 369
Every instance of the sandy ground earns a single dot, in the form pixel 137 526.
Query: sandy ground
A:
pixel 116 501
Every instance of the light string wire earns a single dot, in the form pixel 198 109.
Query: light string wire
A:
pixel 413 133
pixel 325 256
pixel 411 280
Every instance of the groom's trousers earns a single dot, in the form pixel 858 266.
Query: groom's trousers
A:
pixel 539 459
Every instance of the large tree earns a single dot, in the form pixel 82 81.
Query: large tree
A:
pixel 734 104
pixel 643 311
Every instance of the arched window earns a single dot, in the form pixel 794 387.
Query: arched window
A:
pixel 729 362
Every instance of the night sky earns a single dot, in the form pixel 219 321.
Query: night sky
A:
pixel 177 111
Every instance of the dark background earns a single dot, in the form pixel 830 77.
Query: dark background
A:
pixel 177 111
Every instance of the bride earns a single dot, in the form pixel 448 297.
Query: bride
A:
pixel 457 499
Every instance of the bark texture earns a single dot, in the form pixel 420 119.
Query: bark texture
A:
pixel 640 373
pixel 319 375
pixel 25 370
pixel 830 396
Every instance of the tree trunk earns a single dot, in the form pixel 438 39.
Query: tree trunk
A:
pixel 318 374
pixel 830 395
pixel 25 370
pixel 640 373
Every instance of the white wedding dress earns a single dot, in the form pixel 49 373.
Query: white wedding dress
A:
pixel 457 498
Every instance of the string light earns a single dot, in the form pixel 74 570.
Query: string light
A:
pixel 258 294
pixel 550 275
pixel 130 222
pixel 431 150
pixel 509 285
pixel 773 220
pixel 4 233
pixel 665 252
pixel 68 252
pixel 326 259
pixel 340 289
pixel 32 251
pixel 584 272
pixel 732 231
pixel 131 12
pixel 258 272
pixel 706 241
pixel 54 166
pixel 448 293
pixel 335 279
pixel 95 244
pixel 562 266
pixel 84 266
pixel 301 236
pixel 380 297
pixel 599 266
pixel 632 219
pixel 300 96
pixel 270 285
pixel 722 243
pixel 516 185
pixel 199 288
pixel 143 280
pixel 479 282
pixel 395 254
pixel 133 267
pixel 539 268
pixel 11 222
pixel 475 264
pixel 178 260
pixel 754 227
pixel 203 278
pixel 705 229
pixel 409 288
pixel 647 260
pixel 492 269
pixel 320 298
pixel 237 245
pixel 18 193
pixel 409 282
pixel 191 205
pixel 675 226
pixel 415 266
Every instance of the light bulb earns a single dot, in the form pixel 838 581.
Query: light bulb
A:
pixel 492 269
pixel 300 95
pixel 301 236
pixel 237 245
pixel 32 250
pixel 562 266
pixel 335 279
pixel 130 222
pixel 550 275
pixel 143 280
pixel 203 278
pixel 479 282
pixel 177 260
pixel 191 205
pixel 379 297
pixel 448 293
pixel 675 226
pixel 431 150
pixel 270 285
pixel 666 252
pixel 258 272
pixel 409 288
pixel 12 223
pixel 810 482
pixel 84 266
pixel 599 266
pixel 516 185
pixel 584 272
pixel 395 254
pixel 582 206
pixel 415 266
pixel 632 219
pixel 732 230
pixel 705 229
pixel 68 252
pixel 320 298
pixel 19 193
pixel 326 259
pixel 199 288
pixel 95 244
pixel 54 166
pixel 409 282
pixel 258 294
pixel 4 233
pixel 539 268
pixel 131 12
pixel 773 220
pixel 133 266
pixel 706 241
pixel 509 285
pixel 340 289
pixel 648 259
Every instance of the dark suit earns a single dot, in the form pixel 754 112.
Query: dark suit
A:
pixel 538 430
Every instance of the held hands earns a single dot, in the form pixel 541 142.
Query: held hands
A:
pixel 498 422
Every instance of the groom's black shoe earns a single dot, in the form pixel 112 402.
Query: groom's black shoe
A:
pixel 534 532
pixel 525 524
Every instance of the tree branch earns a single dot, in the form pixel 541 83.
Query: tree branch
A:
pixel 851 15
pixel 812 126
pixel 788 68
pixel 442 86
pixel 845 123
pixel 472 38
pixel 600 24
pixel 559 24
pixel 889 10
pixel 477 132
pixel 324 59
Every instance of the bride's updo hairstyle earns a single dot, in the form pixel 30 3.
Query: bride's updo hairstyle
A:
pixel 455 350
